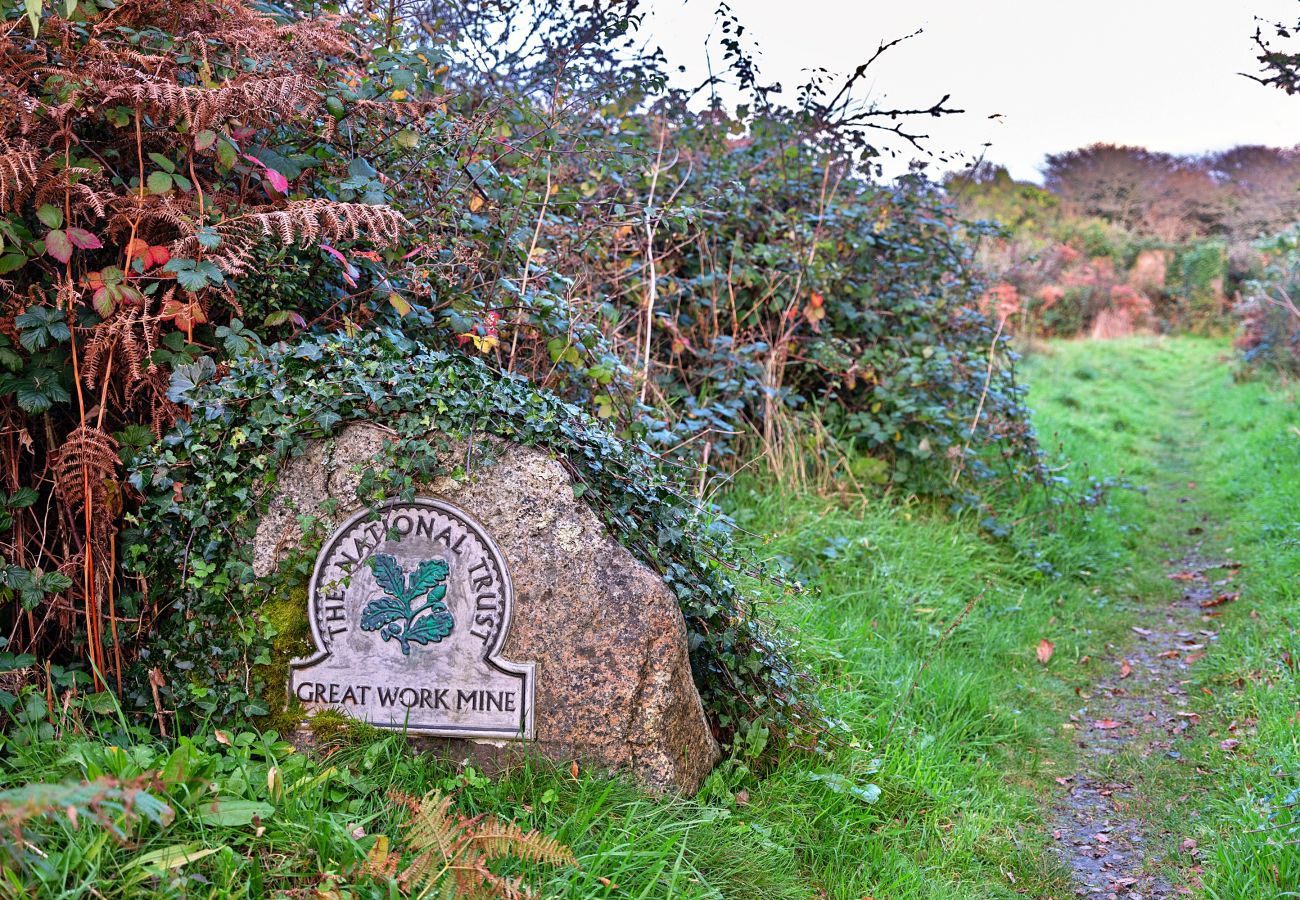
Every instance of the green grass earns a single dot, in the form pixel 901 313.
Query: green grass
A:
pixel 923 631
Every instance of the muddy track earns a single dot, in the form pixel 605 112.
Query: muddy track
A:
pixel 1141 705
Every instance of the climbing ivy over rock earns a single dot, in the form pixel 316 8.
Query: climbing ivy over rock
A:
pixel 207 483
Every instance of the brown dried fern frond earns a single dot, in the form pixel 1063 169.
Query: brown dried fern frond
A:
pixel 54 182
pixel 249 100
pixel 453 853
pixel 86 460
pixel 499 840
pixel 301 222
pixel 19 173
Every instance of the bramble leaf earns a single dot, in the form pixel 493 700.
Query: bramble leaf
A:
pixel 58 245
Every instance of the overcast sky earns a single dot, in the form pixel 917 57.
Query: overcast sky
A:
pixel 1062 73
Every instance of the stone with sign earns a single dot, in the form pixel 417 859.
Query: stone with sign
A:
pixel 493 615
pixel 410 609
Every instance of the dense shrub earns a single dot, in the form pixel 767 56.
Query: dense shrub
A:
pixel 183 185
pixel 208 482
pixel 1270 335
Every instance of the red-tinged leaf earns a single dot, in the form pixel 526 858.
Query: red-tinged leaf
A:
pixel 334 253
pixel 276 180
pixel 205 139
pixel 1106 724
pixel 281 316
pixel 102 300
pixel 1230 745
pixel 58 245
pixel 1125 669
pixel 156 256
pixel 184 314
pixel 83 239
pixel 1045 650
pixel 137 248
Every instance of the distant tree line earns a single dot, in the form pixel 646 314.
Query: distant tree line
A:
pixel 1240 194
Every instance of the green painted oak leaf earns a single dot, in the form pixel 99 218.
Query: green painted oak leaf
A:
pixel 389 574
pixel 429 629
pixel 428 576
pixel 382 611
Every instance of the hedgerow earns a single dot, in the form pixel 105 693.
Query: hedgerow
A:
pixel 183 185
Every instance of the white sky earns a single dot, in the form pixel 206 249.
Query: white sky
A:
pixel 1062 73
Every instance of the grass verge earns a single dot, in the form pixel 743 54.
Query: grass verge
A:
pixel 925 633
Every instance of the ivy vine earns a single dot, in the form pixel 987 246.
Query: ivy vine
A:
pixel 207 483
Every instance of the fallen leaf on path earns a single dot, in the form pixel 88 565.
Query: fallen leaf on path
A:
pixel 1125 669
pixel 1220 600
pixel 1169 654
pixel 1142 631
pixel 1186 576
pixel 1229 745
pixel 1106 724
pixel 1045 650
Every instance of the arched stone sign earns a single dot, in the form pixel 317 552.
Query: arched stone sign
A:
pixel 409 611
pixel 581 655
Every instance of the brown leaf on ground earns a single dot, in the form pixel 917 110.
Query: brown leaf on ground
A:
pixel 1045 650
pixel 1125 669
pixel 1220 600
pixel 1106 724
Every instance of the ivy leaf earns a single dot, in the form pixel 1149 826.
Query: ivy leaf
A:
pixel 187 376
pixel 430 574
pixel 58 245
pixel 382 611
pixel 389 575
pixel 430 629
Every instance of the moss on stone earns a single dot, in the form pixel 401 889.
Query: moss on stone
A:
pixel 333 727
pixel 285 610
